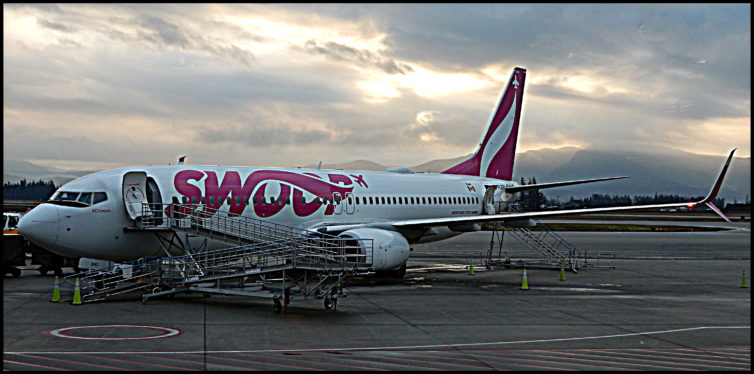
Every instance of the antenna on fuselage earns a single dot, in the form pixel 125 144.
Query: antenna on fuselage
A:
pixel 319 165
pixel 180 160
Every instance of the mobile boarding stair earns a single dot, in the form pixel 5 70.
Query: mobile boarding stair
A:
pixel 553 250
pixel 265 260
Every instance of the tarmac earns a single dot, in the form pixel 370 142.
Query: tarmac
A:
pixel 648 301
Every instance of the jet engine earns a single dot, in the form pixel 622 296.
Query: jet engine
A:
pixel 388 250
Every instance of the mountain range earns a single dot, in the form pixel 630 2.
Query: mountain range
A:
pixel 662 171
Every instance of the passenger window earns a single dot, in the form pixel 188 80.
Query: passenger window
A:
pixel 350 201
pixel 383 200
pixel 99 197
pixel 86 198
pixel 204 200
pixel 211 200
pixel 357 200
pixel 288 201
pixel 193 199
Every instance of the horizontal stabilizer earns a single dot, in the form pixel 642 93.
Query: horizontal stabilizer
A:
pixel 540 186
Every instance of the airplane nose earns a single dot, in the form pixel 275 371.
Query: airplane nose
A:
pixel 40 225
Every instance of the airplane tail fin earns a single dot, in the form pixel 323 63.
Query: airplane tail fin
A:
pixel 495 155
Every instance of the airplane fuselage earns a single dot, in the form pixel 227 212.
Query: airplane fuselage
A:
pixel 302 198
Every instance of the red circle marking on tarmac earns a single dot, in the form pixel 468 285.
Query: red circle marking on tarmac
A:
pixel 167 332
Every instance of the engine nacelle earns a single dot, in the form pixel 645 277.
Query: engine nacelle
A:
pixel 389 249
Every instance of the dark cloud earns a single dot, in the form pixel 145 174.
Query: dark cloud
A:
pixel 161 31
pixel 360 57
pixel 261 137
pixel 53 25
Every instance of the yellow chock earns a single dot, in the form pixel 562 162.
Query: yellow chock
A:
pixel 744 283
pixel 562 272
pixel 471 269
pixel 524 282
pixel 76 293
pixel 56 290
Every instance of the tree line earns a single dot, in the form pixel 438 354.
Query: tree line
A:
pixel 24 190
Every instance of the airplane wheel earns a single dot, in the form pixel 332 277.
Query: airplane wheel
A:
pixel 277 307
pixel 58 271
pixel 329 303
pixel 398 273
pixel 43 270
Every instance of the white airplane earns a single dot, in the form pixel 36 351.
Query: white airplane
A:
pixel 86 217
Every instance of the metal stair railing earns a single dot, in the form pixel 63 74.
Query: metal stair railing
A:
pixel 550 251
pixel 227 227
pixel 260 258
pixel 98 284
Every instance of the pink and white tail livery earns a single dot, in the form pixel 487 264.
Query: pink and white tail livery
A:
pixel 497 151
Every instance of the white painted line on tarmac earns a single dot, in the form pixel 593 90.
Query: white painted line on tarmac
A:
pixel 407 347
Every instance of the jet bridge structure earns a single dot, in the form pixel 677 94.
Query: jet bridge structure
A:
pixel 262 259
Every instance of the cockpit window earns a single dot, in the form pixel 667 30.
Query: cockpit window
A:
pixel 66 196
pixel 99 197
pixel 85 197
pixel 77 199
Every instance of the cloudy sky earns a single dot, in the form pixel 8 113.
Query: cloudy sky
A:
pixel 93 86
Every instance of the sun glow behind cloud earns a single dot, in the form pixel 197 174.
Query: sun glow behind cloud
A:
pixel 423 82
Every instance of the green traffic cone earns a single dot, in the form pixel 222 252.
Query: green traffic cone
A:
pixel 562 272
pixel 76 293
pixel 524 282
pixel 56 290
pixel 471 269
pixel 744 283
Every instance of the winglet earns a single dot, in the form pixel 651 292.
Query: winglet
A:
pixel 716 188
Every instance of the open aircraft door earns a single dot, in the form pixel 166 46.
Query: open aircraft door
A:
pixel 489 199
pixel 134 195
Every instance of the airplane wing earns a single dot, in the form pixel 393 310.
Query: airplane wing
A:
pixel 429 222
pixel 540 186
